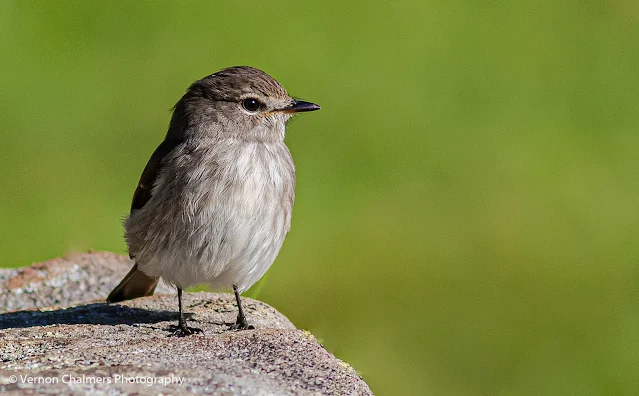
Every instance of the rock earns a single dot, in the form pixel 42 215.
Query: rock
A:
pixel 128 347
pixel 64 281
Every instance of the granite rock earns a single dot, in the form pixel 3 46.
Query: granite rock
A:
pixel 71 342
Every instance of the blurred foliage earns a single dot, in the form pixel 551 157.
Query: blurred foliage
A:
pixel 467 214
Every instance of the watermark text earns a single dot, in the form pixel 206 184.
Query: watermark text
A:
pixel 70 379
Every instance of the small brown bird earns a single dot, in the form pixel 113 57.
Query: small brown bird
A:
pixel 214 202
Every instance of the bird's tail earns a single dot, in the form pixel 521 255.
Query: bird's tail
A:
pixel 135 284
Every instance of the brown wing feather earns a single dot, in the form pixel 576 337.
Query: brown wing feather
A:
pixel 144 190
pixel 136 283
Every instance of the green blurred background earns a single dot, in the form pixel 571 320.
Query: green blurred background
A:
pixel 467 213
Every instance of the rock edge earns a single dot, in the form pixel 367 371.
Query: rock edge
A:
pixel 127 347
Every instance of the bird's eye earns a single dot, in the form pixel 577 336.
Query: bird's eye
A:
pixel 251 105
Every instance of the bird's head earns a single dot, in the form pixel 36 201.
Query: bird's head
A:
pixel 238 102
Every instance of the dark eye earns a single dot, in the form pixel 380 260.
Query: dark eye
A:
pixel 251 105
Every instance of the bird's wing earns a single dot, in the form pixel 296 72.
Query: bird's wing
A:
pixel 144 190
pixel 136 283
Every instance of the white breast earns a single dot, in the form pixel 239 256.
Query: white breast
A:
pixel 230 217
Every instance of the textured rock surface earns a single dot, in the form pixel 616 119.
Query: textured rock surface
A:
pixel 64 281
pixel 128 347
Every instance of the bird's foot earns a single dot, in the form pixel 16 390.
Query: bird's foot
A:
pixel 241 324
pixel 183 330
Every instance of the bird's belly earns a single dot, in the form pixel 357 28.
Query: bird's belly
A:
pixel 228 234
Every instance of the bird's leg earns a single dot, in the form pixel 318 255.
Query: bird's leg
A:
pixel 183 329
pixel 241 323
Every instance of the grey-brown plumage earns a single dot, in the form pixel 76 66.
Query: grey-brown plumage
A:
pixel 214 202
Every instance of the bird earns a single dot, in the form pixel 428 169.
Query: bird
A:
pixel 214 202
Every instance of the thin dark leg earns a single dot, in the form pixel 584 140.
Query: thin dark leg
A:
pixel 183 329
pixel 241 323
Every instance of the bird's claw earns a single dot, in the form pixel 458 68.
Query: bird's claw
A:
pixel 241 324
pixel 184 330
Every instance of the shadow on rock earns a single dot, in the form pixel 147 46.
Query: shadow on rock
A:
pixel 97 313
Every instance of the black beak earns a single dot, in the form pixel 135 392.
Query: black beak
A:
pixel 299 106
